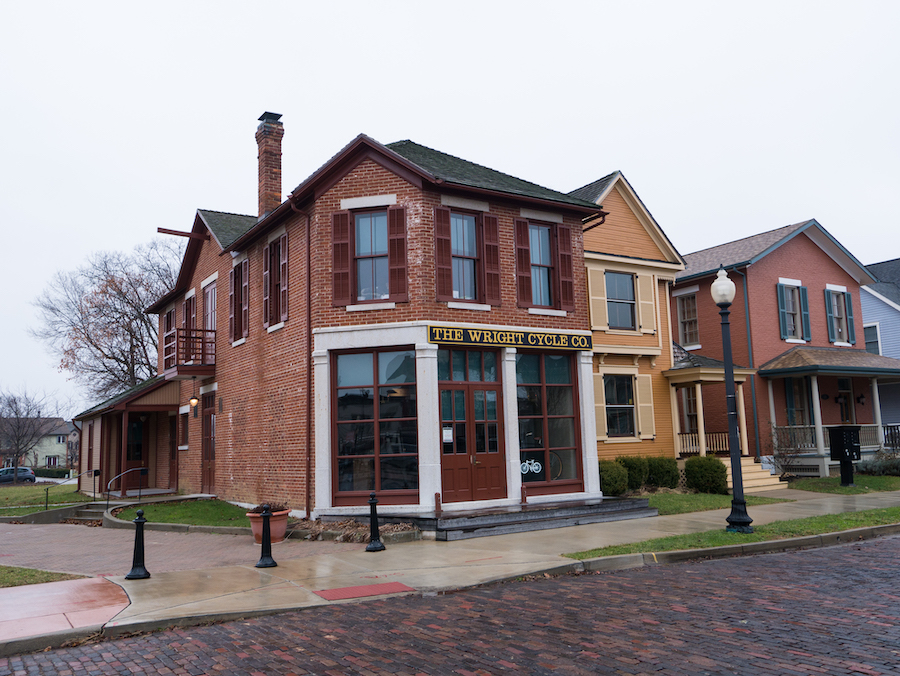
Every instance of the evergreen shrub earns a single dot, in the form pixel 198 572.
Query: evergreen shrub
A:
pixel 663 472
pixel 706 474
pixel 637 470
pixel 52 472
pixel 613 477
pixel 880 466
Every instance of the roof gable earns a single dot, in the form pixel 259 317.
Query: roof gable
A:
pixel 749 250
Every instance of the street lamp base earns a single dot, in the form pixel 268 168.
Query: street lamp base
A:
pixel 739 521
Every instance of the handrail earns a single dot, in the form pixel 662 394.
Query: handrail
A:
pixel 142 470
pixel 47 490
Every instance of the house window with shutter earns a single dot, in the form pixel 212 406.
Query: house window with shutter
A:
pixel 544 268
pixel 839 316
pixel 275 282
pixel 793 311
pixel 620 300
pixel 239 301
pixel 623 400
pixel 619 391
pixel 467 256
pixel 369 256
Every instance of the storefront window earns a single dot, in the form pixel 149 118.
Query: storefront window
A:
pixel 547 418
pixel 375 429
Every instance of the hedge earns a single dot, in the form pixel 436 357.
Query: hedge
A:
pixel 637 470
pixel 663 472
pixel 613 477
pixel 706 474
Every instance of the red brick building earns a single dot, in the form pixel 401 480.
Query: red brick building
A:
pixel 796 321
pixel 406 323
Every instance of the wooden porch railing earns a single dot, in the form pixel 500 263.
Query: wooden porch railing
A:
pixel 716 442
pixel 189 346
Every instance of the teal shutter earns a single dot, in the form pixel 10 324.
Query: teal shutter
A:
pixel 804 311
pixel 851 330
pixel 829 316
pixel 782 311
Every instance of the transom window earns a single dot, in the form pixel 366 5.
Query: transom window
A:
pixel 620 300
pixel 371 233
pixel 688 330
pixel 619 391
pixel 376 433
pixel 541 264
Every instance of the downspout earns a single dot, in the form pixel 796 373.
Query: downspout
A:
pixel 750 353
pixel 309 348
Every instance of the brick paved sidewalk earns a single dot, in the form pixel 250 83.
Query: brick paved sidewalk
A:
pixel 68 548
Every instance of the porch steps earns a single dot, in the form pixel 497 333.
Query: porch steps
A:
pixel 88 513
pixel 525 518
pixel 754 476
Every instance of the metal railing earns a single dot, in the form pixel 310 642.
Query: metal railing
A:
pixel 96 472
pixel 143 470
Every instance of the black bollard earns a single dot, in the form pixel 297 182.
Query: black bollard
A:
pixel 266 560
pixel 375 543
pixel 138 572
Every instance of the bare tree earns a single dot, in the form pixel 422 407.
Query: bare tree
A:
pixel 93 318
pixel 23 423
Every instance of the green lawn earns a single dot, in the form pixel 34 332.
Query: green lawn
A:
pixel 15 577
pixel 59 494
pixel 194 512
pixel 778 530
pixel 682 503
pixel 863 483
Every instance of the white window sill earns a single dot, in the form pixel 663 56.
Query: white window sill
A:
pixel 688 348
pixel 371 306
pixel 457 305
pixel 239 342
pixel 547 312
pixel 796 341
pixel 842 344
pixel 182 448
pixel 621 440
pixel 275 327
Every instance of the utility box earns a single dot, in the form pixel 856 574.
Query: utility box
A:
pixel 845 442
pixel 845 448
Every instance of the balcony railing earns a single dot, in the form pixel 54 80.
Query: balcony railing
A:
pixel 189 347
pixel 803 437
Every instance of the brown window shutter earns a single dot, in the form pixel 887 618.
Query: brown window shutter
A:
pixel 245 298
pixel 283 273
pixel 564 265
pixel 443 257
pixel 231 328
pixel 193 308
pixel 184 314
pixel 340 261
pixel 266 281
pixel 397 271
pixel 490 257
pixel 523 263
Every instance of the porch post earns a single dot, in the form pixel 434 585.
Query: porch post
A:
pixel 124 453
pixel 876 402
pixel 817 416
pixel 742 419
pixel 701 425
pixel 772 422
pixel 676 420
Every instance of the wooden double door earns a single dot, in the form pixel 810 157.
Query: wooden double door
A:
pixel 473 463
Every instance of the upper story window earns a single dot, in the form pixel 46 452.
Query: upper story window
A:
pixel 369 256
pixel 239 301
pixel 873 344
pixel 839 315
pixel 620 300
pixel 544 271
pixel 467 256
pixel 688 328
pixel 793 310
pixel 275 281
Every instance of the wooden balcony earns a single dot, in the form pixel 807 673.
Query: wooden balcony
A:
pixel 189 353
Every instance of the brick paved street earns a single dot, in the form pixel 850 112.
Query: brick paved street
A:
pixel 824 611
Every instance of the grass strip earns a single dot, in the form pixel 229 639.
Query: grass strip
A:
pixel 777 530
pixel 35 495
pixel 192 512
pixel 15 577
pixel 682 503
pixel 863 483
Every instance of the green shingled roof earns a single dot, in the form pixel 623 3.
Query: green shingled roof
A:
pixel 226 227
pixel 452 169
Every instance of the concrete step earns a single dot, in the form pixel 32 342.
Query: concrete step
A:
pixel 754 477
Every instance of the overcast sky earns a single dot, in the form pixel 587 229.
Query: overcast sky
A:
pixel 728 119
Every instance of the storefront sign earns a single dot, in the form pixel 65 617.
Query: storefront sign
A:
pixel 451 335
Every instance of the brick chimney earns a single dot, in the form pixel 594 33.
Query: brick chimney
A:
pixel 268 140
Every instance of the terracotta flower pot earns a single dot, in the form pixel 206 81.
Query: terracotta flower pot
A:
pixel 277 525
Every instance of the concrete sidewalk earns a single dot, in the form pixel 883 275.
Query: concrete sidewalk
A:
pixel 314 573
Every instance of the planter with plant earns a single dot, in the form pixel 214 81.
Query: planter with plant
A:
pixel 277 522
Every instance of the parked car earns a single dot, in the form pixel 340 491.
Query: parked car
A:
pixel 26 474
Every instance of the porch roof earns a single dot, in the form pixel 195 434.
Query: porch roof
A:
pixel 691 367
pixel 123 398
pixel 808 360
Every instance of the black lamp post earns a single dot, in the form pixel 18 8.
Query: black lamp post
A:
pixel 739 521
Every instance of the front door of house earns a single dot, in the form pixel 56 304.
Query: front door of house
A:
pixel 473 463
pixel 136 454
pixel 208 449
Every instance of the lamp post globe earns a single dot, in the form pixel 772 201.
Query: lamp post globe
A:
pixel 723 291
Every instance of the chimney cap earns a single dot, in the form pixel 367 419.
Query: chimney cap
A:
pixel 269 117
